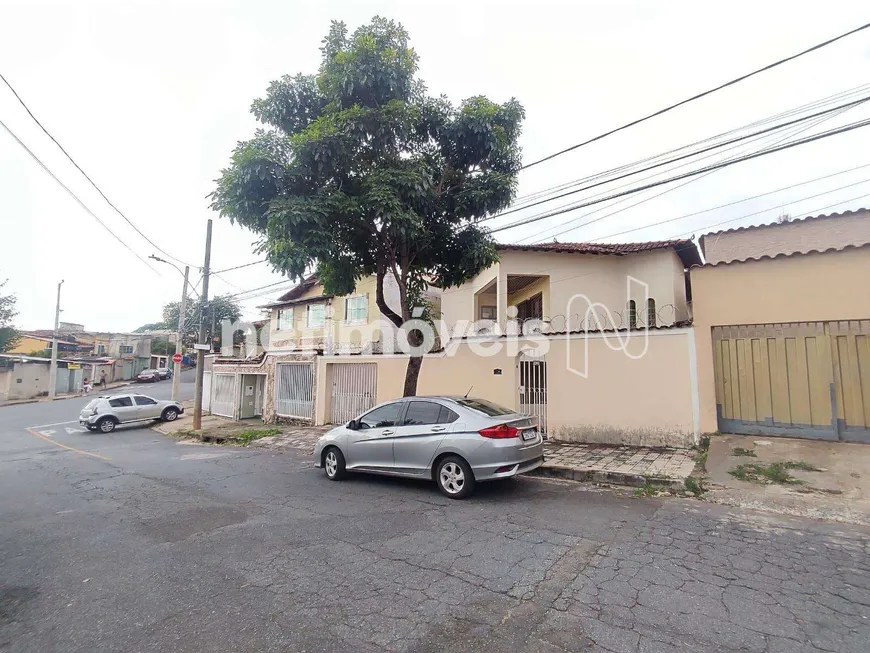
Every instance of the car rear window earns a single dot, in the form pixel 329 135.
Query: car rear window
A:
pixel 92 403
pixel 486 407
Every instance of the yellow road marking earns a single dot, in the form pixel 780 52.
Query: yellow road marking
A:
pixel 63 446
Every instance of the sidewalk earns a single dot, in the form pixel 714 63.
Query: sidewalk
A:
pixel 804 478
pixel 633 466
pixel 95 392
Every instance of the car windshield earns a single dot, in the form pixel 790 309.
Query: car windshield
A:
pixel 147 371
pixel 486 407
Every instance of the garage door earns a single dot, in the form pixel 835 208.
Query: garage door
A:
pixel 223 400
pixel 809 379
pixel 354 390
pixel 294 390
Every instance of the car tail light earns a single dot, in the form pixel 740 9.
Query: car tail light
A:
pixel 500 432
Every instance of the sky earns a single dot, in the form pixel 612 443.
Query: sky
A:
pixel 151 97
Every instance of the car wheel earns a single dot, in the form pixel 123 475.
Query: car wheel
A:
pixel 170 415
pixel 107 425
pixel 454 477
pixel 333 464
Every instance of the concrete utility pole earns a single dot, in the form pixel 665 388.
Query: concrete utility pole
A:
pixel 179 335
pixel 200 354
pixel 52 370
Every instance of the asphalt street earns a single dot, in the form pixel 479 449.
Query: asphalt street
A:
pixel 132 541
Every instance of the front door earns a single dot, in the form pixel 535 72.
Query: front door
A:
pixel 125 410
pixel 417 439
pixel 146 407
pixel 533 389
pixel 248 406
pixel 371 445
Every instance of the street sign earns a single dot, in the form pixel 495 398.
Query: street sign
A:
pixel 202 347
pixel 74 366
pixel 176 358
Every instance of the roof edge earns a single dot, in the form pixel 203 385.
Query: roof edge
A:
pixel 767 257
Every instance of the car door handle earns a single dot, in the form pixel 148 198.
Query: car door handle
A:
pixel 387 432
pixel 436 429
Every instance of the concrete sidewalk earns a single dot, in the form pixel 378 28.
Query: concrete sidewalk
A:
pixel 69 395
pixel 804 478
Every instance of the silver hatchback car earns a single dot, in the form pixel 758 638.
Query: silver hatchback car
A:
pixel 107 411
pixel 455 441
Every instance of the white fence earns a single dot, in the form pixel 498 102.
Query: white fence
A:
pixel 224 398
pixel 206 391
pixel 294 390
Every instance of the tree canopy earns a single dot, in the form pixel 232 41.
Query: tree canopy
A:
pixel 9 335
pixel 220 307
pixel 361 172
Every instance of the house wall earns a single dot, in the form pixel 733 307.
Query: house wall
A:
pixel 803 288
pixel 5 380
pixel 28 380
pixel 27 345
pixel 340 332
pixel 602 279
pixel 657 383
pixel 851 228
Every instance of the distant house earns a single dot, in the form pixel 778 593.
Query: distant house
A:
pixel 33 342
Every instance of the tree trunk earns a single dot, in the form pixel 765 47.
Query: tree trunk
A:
pixel 415 339
pixel 412 373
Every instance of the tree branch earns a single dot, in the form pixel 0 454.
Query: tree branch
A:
pixel 386 311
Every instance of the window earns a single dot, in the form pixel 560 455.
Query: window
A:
pixel 380 417
pixel 126 349
pixel 651 312
pixel 356 309
pixel 422 412
pixel 531 309
pixel 487 312
pixel 144 401
pixel 486 407
pixel 632 314
pixel 120 402
pixel 316 315
pixel 285 319
pixel 101 349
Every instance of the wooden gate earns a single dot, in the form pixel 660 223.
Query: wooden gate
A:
pixel 354 390
pixel 804 380
pixel 533 389
pixel 294 390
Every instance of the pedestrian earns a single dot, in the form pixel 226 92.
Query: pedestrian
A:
pixel 103 379
pixel 86 386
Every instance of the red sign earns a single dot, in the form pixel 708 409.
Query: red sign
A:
pixel 176 358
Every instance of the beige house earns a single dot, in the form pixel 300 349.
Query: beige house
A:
pixel 787 237
pixel 784 342
pixel 578 286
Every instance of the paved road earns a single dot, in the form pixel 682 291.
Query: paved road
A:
pixel 160 546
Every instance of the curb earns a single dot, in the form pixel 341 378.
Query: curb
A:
pixel 588 474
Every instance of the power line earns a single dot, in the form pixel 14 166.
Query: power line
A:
pixel 76 198
pixel 238 267
pixel 740 201
pixel 698 96
pixel 682 157
pixel 103 195
pixel 670 190
pixel 245 292
pixel 524 201
pixel 724 164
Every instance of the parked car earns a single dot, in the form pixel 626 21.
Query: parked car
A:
pixel 165 372
pixel 107 411
pixel 148 376
pixel 455 441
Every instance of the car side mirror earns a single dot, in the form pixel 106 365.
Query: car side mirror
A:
pixel 353 425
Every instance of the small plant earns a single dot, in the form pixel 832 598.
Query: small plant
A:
pixel 740 451
pixel 254 434
pixel 777 473
pixel 702 449
pixel 695 485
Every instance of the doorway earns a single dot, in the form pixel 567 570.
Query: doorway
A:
pixel 253 386
pixel 533 389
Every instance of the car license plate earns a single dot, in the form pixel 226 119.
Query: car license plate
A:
pixel 530 434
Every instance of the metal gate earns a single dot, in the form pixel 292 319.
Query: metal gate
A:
pixel 294 390
pixel 223 400
pixel 533 389
pixel 354 390
pixel 802 380
pixel 206 391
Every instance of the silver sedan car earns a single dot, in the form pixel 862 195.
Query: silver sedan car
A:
pixel 455 441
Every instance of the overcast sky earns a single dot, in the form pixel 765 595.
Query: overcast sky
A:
pixel 151 97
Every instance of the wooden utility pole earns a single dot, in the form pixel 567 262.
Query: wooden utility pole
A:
pixel 52 370
pixel 200 353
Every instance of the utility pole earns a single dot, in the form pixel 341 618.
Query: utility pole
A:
pixel 179 335
pixel 52 370
pixel 200 354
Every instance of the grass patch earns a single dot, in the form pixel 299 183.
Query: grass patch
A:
pixel 695 486
pixel 740 451
pixel 254 434
pixel 777 473
pixel 701 451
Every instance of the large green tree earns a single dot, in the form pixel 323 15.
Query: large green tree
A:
pixel 220 308
pixel 9 335
pixel 362 172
